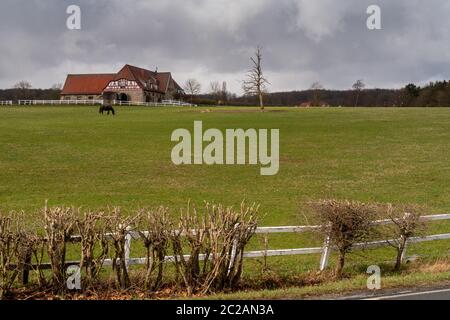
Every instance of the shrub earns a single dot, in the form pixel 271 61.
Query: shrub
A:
pixel 156 237
pixel 220 234
pixel 345 223
pixel 406 223
pixel 59 226
pixel 36 246
pixel 11 250
pixel 208 246
pixel 92 233
pixel 119 227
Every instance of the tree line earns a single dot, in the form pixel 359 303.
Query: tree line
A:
pixel 435 94
pixel 24 90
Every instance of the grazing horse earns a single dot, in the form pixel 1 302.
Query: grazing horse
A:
pixel 107 108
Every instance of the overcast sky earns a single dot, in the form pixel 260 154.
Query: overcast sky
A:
pixel 303 40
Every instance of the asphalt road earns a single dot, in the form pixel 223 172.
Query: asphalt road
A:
pixel 441 292
pixel 438 294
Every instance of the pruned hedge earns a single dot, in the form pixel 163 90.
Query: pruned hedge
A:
pixel 207 242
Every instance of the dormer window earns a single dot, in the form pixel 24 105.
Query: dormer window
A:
pixel 151 85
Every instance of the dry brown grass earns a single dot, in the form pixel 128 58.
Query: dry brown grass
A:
pixel 439 266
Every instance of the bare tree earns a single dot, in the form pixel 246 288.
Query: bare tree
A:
pixel 358 86
pixel 219 92
pixel 57 86
pixel 12 247
pixel 37 249
pixel 224 93
pixel 118 227
pixel 192 87
pixel 215 90
pixel 256 83
pixel 316 87
pixel 158 226
pixel 406 223
pixel 59 226
pixel 94 243
pixel 23 85
pixel 215 87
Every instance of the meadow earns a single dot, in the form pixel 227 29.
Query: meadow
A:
pixel 73 156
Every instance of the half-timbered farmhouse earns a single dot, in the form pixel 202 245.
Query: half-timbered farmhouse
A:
pixel 130 84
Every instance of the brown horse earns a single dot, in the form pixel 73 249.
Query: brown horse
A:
pixel 108 109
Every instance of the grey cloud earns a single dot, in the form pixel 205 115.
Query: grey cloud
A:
pixel 304 41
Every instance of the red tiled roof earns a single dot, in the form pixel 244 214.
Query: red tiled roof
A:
pixel 132 73
pixel 143 77
pixel 96 83
pixel 86 83
pixel 177 86
pixel 166 81
pixel 163 80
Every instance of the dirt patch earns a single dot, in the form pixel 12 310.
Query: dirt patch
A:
pixel 248 111
pixel 254 110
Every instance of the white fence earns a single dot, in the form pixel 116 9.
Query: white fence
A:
pixel 164 103
pixel 60 102
pixel 325 250
pixel 6 103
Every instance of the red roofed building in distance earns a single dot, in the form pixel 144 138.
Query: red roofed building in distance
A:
pixel 130 84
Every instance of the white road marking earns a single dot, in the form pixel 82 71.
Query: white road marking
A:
pixel 409 294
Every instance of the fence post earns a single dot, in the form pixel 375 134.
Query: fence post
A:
pixel 127 248
pixel 266 248
pixel 26 267
pixel 233 255
pixel 233 251
pixel 403 256
pixel 325 254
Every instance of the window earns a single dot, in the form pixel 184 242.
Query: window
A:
pixel 122 83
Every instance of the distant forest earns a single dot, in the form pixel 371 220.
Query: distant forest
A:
pixel 436 94
pixel 29 94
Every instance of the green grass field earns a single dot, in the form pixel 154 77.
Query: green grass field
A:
pixel 73 156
